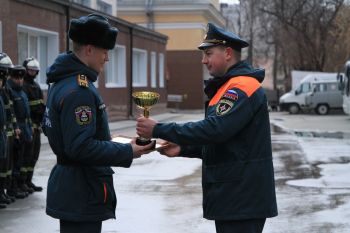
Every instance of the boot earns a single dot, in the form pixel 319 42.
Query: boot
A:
pixel 14 191
pixel 24 188
pixel 31 184
pixel 2 206
pixel 12 198
pixel 8 187
pixel 4 199
pixel 17 194
pixel 35 188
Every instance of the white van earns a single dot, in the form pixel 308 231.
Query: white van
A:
pixel 319 92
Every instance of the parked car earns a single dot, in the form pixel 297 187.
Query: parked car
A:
pixel 318 92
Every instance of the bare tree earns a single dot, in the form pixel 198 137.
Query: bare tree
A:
pixel 308 29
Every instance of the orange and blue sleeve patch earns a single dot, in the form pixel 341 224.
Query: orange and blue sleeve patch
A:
pixel 244 83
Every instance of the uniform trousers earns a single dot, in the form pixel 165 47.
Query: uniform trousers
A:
pixel 240 226
pixel 80 227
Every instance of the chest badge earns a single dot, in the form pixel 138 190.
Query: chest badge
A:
pixel 223 107
pixel 83 115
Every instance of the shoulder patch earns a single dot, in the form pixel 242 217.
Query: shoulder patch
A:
pixel 224 106
pixel 82 80
pixel 231 94
pixel 83 115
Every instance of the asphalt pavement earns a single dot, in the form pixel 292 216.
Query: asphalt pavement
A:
pixel 157 194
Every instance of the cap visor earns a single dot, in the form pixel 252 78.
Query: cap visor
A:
pixel 205 45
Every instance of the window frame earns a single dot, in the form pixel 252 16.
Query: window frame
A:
pixel 161 65
pixel 144 69
pixel 153 69
pixel 120 69
pixel 52 51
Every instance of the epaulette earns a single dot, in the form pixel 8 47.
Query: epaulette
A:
pixel 82 80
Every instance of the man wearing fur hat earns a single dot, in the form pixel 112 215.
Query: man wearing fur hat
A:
pixel 80 189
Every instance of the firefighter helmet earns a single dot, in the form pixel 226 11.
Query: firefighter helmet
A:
pixel 5 64
pixel 31 63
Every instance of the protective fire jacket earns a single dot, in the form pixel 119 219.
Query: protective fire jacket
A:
pixel 234 144
pixel 2 129
pixel 21 110
pixel 36 100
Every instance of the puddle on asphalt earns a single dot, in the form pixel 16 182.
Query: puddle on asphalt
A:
pixel 335 135
pixel 277 129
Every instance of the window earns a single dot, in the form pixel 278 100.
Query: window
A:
pixel 83 2
pixel 303 88
pixel 104 7
pixel 320 87
pixel 333 86
pixel 139 68
pixel 153 69
pixel 161 70
pixel 116 67
pixel 38 43
pixel 0 36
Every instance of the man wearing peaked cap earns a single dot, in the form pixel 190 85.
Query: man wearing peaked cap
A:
pixel 233 140
pixel 80 190
pixel 217 36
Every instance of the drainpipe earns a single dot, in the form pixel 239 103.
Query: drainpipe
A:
pixel 130 72
pixel 67 26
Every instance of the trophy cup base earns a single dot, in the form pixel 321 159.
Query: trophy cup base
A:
pixel 144 142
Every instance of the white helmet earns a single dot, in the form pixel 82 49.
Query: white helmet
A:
pixel 31 63
pixel 5 61
pixel 5 64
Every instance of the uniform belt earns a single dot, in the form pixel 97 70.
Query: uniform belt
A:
pixel 61 160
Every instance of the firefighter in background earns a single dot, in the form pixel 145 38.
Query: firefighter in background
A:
pixel 12 130
pixel 22 113
pixel 3 170
pixel 37 109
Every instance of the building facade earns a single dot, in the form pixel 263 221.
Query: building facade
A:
pixel 39 28
pixel 184 22
pixel 107 6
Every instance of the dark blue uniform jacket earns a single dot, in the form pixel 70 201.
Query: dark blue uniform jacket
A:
pixel 80 186
pixel 234 144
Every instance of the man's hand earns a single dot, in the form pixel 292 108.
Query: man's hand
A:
pixel 144 127
pixel 169 149
pixel 17 133
pixel 140 150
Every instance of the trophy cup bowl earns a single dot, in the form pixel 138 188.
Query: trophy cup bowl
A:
pixel 145 100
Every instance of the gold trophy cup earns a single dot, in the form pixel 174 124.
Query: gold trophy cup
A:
pixel 145 100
